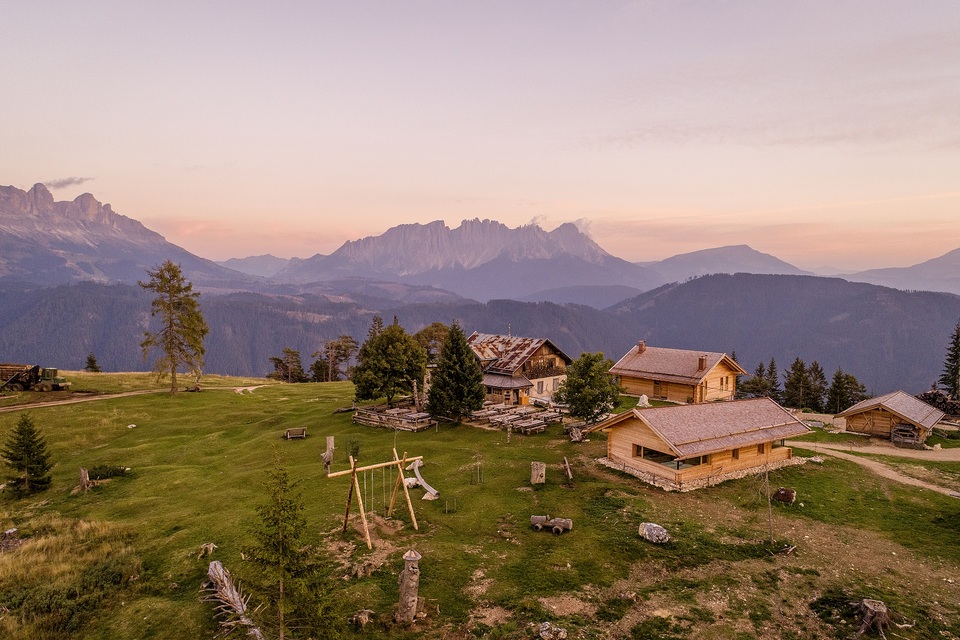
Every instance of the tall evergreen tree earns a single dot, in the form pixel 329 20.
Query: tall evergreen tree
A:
pixel 818 387
pixel 182 327
pixel 92 365
pixel 456 386
pixel 25 452
pixel 589 390
pixel 950 380
pixel 774 390
pixel 845 391
pixel 796 385
pixel 757 386
pixel 389 362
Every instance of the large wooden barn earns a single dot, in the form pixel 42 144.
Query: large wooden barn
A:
pixel 689 446
pixel 897 415
pixel 677 375
pixel 516 369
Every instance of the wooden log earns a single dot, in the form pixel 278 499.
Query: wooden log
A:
pixel 566 463
pixel 538 472
pixel 538 522
pixel 233 604
pixel 560 525
pixel 379 465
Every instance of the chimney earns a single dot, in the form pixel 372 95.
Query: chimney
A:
pixel 702 364
pixel 641 346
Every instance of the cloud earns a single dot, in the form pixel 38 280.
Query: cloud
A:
pixel 63 183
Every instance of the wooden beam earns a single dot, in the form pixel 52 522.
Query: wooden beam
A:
pixel 406 491
pixel 363 513
pixel 379 465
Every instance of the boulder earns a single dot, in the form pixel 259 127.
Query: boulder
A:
pixel 654 533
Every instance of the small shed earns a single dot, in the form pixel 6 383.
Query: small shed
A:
pixel 696 445
pixel 897 415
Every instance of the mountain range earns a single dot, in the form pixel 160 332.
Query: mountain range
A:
pixel 67 270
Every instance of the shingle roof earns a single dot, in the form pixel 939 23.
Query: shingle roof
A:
pixel 699 429
pixel 503 381
pixel 669 365
pixel 506 354
pixel 902 404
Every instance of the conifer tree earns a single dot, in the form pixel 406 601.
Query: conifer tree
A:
pixel 456 387
pixel 758 384
pixel 92 365
pixel 796 385
pixel 589 390
pixel 182 327
pixel 950 380
pixel 774 390
pixel 288 367
pixel 845 391
pixel 818 387
pixel 25 452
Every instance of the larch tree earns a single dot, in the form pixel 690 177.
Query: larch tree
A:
pixel 589 390
pixel 456 386
pixel 182 327
pixel 25 452
pixel 950 380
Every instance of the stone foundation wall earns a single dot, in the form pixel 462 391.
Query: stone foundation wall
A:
pixel 699 483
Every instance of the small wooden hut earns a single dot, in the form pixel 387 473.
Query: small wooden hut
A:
pixel 897 415
pixel 699 443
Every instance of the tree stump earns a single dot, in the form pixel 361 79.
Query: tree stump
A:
pixel 875 616
pixel 538 472
pixel 85 482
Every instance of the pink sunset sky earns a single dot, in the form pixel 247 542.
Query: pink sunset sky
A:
pixel 825 133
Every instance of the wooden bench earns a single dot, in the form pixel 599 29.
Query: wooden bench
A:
pixel 295 432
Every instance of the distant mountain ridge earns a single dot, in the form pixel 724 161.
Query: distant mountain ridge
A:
pixel 938 274
pixel 265 266
pixel 481 259
pixel 47 242
pixel 730 259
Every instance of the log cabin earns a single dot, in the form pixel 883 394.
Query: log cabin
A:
pixel 688 446
pixel 516 369
pixel 897 415
pixel 677 375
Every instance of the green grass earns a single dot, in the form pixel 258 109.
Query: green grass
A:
pixel 198 461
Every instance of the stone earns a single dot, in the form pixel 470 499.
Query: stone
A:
pixel 547 631
pixel 654 533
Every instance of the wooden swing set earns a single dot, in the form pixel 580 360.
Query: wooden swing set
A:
pixel 397 461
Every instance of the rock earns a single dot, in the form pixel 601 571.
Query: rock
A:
pixel 817 459
pixel 361 618
pixel 937 447
pixel 549 632
pixel 644 401
pixel 411 482
pixel 654 533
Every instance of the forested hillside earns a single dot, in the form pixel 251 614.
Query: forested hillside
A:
pixel 888 339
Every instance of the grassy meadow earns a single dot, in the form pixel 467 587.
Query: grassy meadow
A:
pixel 122 560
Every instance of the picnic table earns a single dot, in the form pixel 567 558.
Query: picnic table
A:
pixel 528 427
pixel 481 414
pixel 550 416
pixel 500 407
pixel 504 418
pixel 524 411
pixel 416 417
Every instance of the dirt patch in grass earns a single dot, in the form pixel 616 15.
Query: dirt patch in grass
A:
pixel 568 606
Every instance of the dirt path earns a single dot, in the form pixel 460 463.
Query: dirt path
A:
pixel 59 403
pixel 878 467
pixel 938 455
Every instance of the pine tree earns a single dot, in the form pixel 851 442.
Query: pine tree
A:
pixel 25 452
pixel 456 387
pixel 796 385
pixel 845 391
pixel 757 386
pixel 774 389
pixel 288 367
pixel 182 330
pixel 950 380
pixel 818 387
pixel 589 390
pixel 92 365
pixel 276 550
pixel 389 362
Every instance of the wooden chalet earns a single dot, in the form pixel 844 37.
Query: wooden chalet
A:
pixel 689 446
pixel 677 375
pixel 516 369
pixel 898 416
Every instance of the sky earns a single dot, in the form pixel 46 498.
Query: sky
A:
pixel 826 133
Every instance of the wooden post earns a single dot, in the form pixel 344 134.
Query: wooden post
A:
pixel 330 444
pixel 567 464
pixel 538 472
pixel 406 491
pixel 363 513
pixel 346 515
pixel 409 587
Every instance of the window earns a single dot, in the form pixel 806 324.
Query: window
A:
pixel 735 454
pixel 556 383
pixel 761 447
pixel 540 386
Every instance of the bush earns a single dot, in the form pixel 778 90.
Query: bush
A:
pixel 104 471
